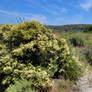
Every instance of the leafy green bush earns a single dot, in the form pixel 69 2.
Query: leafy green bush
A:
pixel 21 86
pixel 77 41
pixel 88 28
pixel 73 71
pixel 89 54
pixel 33 52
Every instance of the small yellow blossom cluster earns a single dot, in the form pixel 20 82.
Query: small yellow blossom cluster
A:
pixel 39 77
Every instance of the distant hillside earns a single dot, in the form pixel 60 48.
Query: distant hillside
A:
pixel 69 28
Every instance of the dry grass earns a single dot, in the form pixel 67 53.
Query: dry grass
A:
pixel 62 85
pixel 65 86
pixel 68 35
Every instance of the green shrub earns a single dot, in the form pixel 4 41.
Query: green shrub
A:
pixel 88 29
pixel 33 52
pixel 89 54
pixel 72 71
pixel 77 41
pixel 21 86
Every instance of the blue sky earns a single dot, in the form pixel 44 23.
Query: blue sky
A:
pixel 50 12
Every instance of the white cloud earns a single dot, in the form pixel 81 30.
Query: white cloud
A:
pixel 13 13
pixel 39 18
pixel 51 8
pixel 8 13
pixel 86 6
pixel 26 16
pixel 56 10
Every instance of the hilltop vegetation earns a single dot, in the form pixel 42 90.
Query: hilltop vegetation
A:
pixel 71 28
pixel 81 41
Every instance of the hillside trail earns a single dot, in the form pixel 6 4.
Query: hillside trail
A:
pixel 85 81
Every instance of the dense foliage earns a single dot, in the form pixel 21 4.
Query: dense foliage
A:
pixel 31 51
pixel 21 86
pixel 77 41
pixel 88 29
pixel 88 54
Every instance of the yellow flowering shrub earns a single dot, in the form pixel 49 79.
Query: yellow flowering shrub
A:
pixel 34 53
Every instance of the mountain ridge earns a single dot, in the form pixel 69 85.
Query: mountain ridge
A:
pixel 70 27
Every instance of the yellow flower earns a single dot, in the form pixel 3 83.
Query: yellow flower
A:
pixel 7 70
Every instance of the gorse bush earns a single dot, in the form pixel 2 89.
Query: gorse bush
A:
pixel 33 52
pixel 77 41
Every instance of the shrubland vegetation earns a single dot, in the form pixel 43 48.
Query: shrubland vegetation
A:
pixel 21 86
pixel 88 29
pixel 32 56
pixel 80 42
pixel 88 54
pixel 30 51
pixel 71 28
pixel 77 41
